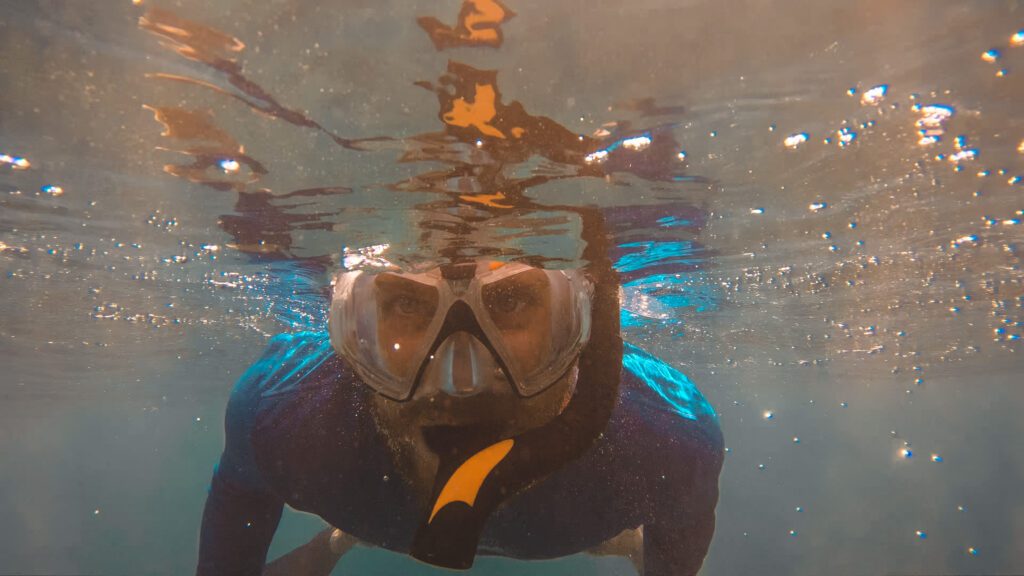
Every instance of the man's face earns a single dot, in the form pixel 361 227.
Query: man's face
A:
pixel 519 307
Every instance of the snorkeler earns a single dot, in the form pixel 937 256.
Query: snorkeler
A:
pixel 475 406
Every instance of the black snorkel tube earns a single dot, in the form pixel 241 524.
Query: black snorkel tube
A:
pixel 448 536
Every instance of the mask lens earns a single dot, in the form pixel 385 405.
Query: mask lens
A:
pixel 405 310
pixel 520 307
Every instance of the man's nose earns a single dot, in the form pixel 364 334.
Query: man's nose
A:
pixel 461 366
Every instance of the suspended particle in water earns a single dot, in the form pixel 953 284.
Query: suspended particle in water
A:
pixel 794 140
pixel 990 55
pixel 851 91
pixel 799 508
pixel 972 551
pixel 52 190
pixel 936 458
pixel 757 210
pixel 815 206
pixel 844 405
pixel 906 453
pixel 792 533
pixel 768 415
pixel 760 466
pixel 796 439
pixel 874 96
pixel 921 534
pixel 1018 38
pixel 681 155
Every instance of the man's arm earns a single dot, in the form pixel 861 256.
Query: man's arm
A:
pixel 676 544
pixel 242 513
pixel 238 525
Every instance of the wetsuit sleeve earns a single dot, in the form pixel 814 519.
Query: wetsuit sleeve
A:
pixel 241 513
pixel 676 540
pixel 683 452
pixel 238 525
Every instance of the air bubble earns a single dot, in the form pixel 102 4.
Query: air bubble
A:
pixel 794 140
pixel 875 95
pixel 229 165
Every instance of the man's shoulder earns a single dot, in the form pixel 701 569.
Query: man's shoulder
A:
pixel 664 386
pixel 289 360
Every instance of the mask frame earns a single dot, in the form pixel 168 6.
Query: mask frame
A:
pixel 461 306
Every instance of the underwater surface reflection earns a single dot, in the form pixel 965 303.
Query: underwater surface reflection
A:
pixel 814 209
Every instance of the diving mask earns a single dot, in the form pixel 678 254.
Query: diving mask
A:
pixel 469 325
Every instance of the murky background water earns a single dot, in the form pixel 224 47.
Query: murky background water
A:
pixel 849 291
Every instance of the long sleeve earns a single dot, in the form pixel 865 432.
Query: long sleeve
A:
pixel 677 541
pixel 238 525
pixel 242 512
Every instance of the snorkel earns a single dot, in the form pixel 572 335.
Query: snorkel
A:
pixel 478 472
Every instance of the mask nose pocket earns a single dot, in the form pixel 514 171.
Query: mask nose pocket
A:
pixel 461 366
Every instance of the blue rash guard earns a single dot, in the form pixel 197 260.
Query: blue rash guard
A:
pixel 299 431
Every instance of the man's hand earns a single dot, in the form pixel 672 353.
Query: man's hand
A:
pixel 314 558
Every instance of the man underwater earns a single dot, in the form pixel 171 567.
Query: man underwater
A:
pixel 472 406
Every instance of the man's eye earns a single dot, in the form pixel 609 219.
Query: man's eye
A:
pixel 511 301
pixel 411 306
